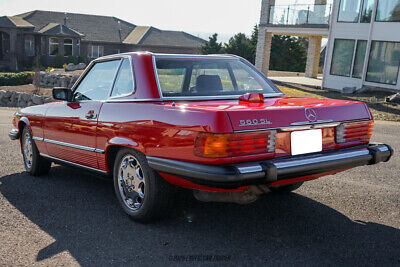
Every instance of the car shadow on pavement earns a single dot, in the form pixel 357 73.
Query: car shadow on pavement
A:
pixel 81 213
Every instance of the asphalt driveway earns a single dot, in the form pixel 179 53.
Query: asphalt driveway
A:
pixel 71 217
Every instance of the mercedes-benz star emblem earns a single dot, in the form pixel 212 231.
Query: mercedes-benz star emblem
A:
pixel 311 115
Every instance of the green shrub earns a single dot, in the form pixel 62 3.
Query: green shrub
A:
pixel 58 61
pixel 81 59
pixel 12 79
pixel 71 59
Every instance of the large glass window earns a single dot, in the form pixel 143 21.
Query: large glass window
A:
pixel 97 51
pixel 53 46
pixel 388 10
pixel 366 12
pixel 383 64
pixel 98 82
pixel 68 51
pixel 342 57
pixel 124 82
pixel 359 59
pixel 29 45
pixel 208 77
pixel 349 10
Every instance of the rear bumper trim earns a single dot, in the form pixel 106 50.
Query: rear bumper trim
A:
pixel 267 171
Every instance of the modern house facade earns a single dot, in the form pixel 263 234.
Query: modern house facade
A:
pixel 55 34
pixel 364 45
pixel 310 20
pixel 363 48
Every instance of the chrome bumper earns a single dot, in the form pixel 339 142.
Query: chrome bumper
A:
pixel 267 171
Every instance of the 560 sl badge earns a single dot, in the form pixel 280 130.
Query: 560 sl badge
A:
pixel 254 122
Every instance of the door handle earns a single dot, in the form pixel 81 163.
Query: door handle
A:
pixel 90 115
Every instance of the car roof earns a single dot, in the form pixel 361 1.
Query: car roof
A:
pixel 221 56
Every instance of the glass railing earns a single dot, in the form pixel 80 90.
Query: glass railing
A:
pixel 300 14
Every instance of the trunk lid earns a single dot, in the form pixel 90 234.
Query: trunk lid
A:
pixel 284 111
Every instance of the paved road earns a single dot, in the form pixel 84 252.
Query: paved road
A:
pixel 71 217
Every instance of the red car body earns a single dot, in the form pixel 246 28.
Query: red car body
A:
pixel 166 130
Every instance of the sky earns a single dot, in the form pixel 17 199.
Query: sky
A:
pixel 201 18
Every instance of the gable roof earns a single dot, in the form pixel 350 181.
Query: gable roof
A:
pixel 6 21
pixel 136 35
pixel 105 29
pixel 93 27
pixel 58 29
pixel 170 38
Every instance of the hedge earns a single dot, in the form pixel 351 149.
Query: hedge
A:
pixel 12 79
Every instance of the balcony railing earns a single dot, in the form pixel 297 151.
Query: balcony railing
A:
pixel 300 14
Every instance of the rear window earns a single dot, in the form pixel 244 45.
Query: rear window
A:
pixel 209 77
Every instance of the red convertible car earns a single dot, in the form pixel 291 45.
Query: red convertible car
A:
pixel 213 124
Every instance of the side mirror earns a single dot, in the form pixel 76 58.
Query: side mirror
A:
pixel 61 93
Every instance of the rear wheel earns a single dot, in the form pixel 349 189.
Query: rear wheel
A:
pixel 286 188
pixel 141 192
pixel 35 164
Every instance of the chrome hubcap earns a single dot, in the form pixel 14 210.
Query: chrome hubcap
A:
pixel 27 150
pixel 131 182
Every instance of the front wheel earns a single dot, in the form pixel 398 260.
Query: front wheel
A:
pixel 141 192
pixel 35 164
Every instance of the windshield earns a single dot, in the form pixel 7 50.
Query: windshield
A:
pixel 209 77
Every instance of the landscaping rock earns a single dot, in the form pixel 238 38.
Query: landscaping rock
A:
pixel 8 94
pixel 395 98
pixel 81 66
pixel 37 100
pixel 71 67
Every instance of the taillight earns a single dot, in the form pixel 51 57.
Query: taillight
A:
pixel 354 132
pixel 237 144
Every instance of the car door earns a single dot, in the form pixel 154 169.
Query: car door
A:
pixel 70 127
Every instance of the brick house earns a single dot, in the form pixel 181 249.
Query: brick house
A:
pixel 48 34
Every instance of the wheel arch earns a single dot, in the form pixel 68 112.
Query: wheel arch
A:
pixel 116 144
pixel 21 124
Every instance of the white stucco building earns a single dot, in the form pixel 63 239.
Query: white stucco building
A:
pixel 364 45
pixel 363 48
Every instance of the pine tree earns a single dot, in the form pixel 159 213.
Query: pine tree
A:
pixel 212 46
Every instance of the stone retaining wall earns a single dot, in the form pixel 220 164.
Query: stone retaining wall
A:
pixel 19 99
pixel 50 80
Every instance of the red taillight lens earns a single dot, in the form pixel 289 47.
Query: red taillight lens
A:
pixel 238 144
pixel 354 132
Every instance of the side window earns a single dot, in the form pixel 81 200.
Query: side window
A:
pixel 98 82
pixel 124 83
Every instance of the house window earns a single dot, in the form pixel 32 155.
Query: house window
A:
pixel 342 57
pixel 383 64
pixel 366 12
pixel 97 51
pixel 388 10
pixel 68 51
pixel 43 45
pixel 53 46
pixel 349 10
pixel 29 45
pixel 358 65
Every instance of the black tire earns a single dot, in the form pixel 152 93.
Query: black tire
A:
pixel 35 165
pixel 158 194
pixel 286 188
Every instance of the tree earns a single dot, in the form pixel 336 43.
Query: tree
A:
pixel 240 45
pixel 288 54
pixel 212 46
